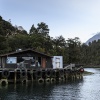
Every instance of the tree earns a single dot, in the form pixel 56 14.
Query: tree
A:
pixel 33 30
pixel 3 45
pixel 18 41
pixel 58 44
pixel 0 18
pixel 74 50
pixel 6 28
pixel 43 29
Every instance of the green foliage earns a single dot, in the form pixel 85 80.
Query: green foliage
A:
pixel 91 53
pixel 18 41
pixel 6 28
pixel 3 45
pixel 74 46
pixel 43 29
pixel 33 30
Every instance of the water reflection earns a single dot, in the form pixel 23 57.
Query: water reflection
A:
pixel 57 91
pixel 86 89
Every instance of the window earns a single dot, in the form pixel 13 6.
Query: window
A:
pixel 39 61
pixel 11 60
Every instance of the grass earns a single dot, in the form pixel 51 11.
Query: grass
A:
pixel 87 73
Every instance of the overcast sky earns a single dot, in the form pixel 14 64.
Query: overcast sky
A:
pixel 69 18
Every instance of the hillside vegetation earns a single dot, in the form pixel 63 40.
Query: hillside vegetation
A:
pixel 38 38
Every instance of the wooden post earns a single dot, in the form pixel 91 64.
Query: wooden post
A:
pixel 15 76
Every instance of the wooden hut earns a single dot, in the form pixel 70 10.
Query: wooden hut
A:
pixel 25 59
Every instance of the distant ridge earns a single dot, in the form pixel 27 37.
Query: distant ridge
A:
pixel 95 37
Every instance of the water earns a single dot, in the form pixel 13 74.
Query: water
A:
pixel 86 89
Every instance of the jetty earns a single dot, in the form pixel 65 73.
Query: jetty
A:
pixel 29 66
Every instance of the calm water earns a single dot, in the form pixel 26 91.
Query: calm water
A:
pixel 86 89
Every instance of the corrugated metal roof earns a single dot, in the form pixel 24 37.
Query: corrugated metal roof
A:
pixel 17 52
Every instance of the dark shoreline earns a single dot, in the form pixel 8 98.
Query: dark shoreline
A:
pixel 91 66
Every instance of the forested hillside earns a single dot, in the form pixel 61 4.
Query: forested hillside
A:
pixel 72 50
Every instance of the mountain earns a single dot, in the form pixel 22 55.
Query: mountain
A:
pixel 95 37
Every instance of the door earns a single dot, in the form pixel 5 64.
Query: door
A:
pixel 44 62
